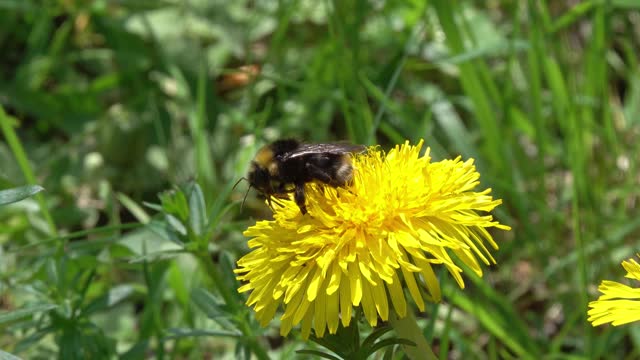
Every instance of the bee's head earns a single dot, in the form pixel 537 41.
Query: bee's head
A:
pixel 264 170
pixel 260 178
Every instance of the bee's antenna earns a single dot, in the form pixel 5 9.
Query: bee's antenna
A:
pixel 245 194
pixel 245 198
pixel 238 182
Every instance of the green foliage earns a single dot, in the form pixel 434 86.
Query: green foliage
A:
pixel 346 343
pixel 16 194
pixel 109 104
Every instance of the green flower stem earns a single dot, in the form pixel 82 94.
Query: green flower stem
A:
pixel 244 327
pixel 407 328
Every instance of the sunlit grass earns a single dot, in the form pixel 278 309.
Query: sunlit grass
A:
pixel 107 106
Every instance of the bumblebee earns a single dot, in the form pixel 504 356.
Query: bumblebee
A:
pixel 285 166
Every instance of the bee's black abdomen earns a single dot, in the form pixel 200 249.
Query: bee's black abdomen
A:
pixel 334 170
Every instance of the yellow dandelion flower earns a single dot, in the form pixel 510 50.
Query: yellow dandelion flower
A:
pixel 618 303
pixel 360 246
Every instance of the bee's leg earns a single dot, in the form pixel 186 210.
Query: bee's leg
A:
pixel 269 202
pixel 299 197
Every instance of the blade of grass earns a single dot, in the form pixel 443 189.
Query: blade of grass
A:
pixel 205 169
pixel 572 16
pixel 575 127
pixel 345 22
pixel 473 87
pixel 385 98
pixel 541 136
pixel 499 324
pixel 6 124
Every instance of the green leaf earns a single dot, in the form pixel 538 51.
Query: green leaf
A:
pixel 137 351
pixel 574 14
pixel 177 333
pixel 626 4
pixel 6 356
pixel 16 194
pixel 218 209
pixel 197 210
pixel 167 230
pixel 7 128
pixel 175 203
pixel 176 225
pixel 178 281
pixel 345 342
pixel 24 312
pixel 375 335
pixel 226 264
pixel 136 210
pixel 32 339
pixel 318 354
pixel 388 342
pixel 53 277
pixel 158 255
pixel 116 295
pixel 211 306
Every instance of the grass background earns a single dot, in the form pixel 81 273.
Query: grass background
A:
pixel 108 104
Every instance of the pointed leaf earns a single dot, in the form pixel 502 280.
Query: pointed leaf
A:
pixel 7 356
pixel 176 225
pixel 211 306
pixel 163 230
pixel 375 335
pixel 197 210
pixel 157 256
pixel 16 194
pixel 387 342
pixel 226 264
pixel 318 354
pixel 218 208
pixel 177 333
pixel 24 312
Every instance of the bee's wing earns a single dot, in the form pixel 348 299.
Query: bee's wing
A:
pixel 332 148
